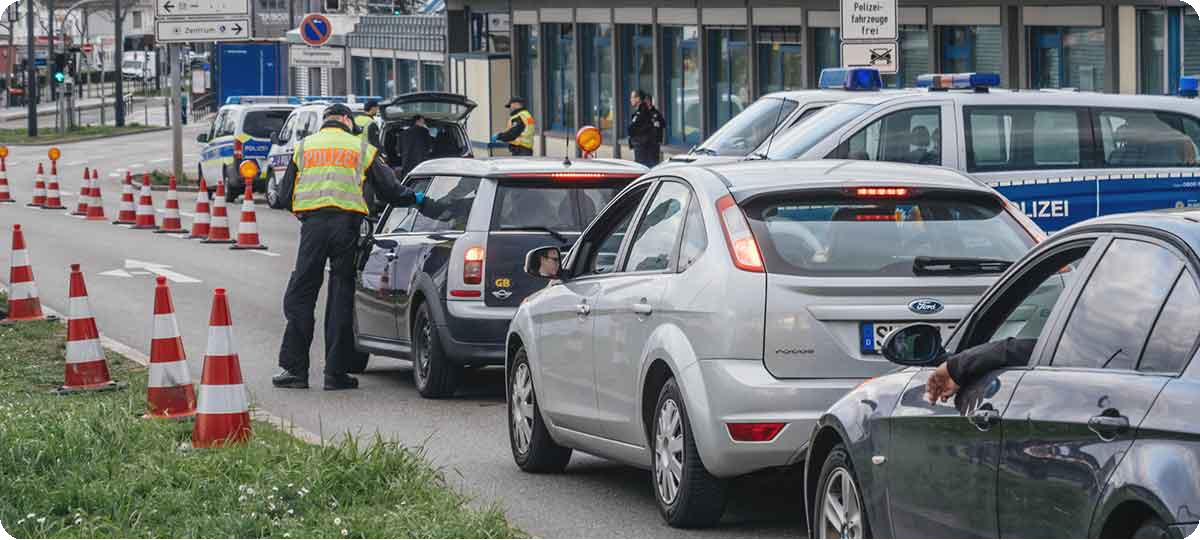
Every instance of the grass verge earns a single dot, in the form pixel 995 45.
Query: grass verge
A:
pixel 49 136
pixel 84 466
pixel 162 178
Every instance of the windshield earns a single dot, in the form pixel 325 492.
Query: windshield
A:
pixel 132 64
pixel 793 143
pixel 261 124
pixel 847 236
pixel 748 129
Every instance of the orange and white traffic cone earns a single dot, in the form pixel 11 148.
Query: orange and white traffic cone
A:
pixel 39 188
pixel 146 218
pixel 23 301
pixel 248 226
pixel 201 219
pixel 218 230
pixel 223 413
pixel 169 392
pixel 96 205
pixel 86 366
pixel 53 196
pixel 85 195
pixel 5 195
pixel 127 215
pixel 171 221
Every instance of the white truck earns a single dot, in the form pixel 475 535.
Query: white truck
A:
pixel 139 65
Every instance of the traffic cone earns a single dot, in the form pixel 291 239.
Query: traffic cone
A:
pixel 86 366
pixel 146 218
pixel 169 392
pixel 248 226
pixel 171 222
pixel 96 205
pixel 23 301
pixel 218 230
pixel 5 196
pixel 53 197
pixel 200 223
pixel 85 195
pixel 39 188
pixel 223 414
pixel 127 215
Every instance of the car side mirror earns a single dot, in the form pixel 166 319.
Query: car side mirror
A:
pixel 544 263
pixel 915 345
pixel 202 138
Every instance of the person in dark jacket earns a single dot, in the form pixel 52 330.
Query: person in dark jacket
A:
pixel 644 136
pixel 329 184
pixel 659 122
pixel 962 369
pixel 416 145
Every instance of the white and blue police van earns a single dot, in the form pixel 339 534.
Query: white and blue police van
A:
pixel 1061 156
pixel 241 130
pixel 303 121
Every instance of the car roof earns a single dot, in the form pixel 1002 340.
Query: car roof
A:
pixel 1000 96
pixel 804 96
pixel 749 178
pixel 506 166
pixel 1183 223
pixel 259 107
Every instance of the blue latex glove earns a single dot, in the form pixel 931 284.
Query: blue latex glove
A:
pixel 495 139
pixel 420 198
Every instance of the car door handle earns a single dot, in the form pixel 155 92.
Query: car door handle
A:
pixel 1108 426
pixel 985 419
pixel 583 310
pixel 391 256
pixel 643 308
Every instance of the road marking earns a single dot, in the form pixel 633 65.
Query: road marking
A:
pixel 140 273
pixel 114 175
pixel 74 163
pixel 67 193
pixel 136 166
pixel 116 273
pixel 181 236
pixel 160 160
pixel 187 214
pixel 265 253
pixel 160 270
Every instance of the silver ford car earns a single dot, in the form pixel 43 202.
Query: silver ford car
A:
pixel 710 314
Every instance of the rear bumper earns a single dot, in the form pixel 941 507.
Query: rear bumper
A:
pixel 474 333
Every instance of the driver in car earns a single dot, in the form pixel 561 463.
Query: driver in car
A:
pixel 961 369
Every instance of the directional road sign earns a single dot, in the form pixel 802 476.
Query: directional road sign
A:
pixel 204 8
pixel 223 29
pixel 316 29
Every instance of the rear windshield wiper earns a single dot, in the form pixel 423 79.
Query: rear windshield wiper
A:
pixel 959 265
pixel 757 156
pixel 557 235
pixel 705 151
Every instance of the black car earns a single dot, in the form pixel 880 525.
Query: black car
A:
pixel 1096 436
pixel 442 281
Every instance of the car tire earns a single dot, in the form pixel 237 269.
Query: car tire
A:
pixel 533 449
pixel 688 496
pixel 272 189
pixel 231 194
pixel 433 373
pixel 839 469
pixel 1152 528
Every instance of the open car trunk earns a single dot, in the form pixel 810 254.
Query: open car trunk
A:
pixel 449 140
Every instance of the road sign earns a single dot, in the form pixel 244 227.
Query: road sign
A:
pixel 316 29
pixel 327 57
pixel 868 20
pixel 223 29
pixel 881 55
pixel 87 48
pixel 205 8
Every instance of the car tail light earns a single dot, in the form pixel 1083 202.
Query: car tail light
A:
pixel 237 149
pixel 460 293
pixel 757 432
pixel 473 266
pixel 883 192
pixel 875 217
pixel 742 245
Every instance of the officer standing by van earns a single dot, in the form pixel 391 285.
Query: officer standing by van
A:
pixel 519 134
pixel 367 128
pixel 329 186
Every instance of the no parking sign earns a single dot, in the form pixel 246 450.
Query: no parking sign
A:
pixel 316 29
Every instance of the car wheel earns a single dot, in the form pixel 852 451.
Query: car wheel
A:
pixel 532 447
pixel 839 511
pixel 272 189
pixel 433 374
pixel 1152 528
pixel 231 194
pixel 687 494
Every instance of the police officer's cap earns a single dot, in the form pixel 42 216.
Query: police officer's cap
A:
pixel 337 109
pixel 514 99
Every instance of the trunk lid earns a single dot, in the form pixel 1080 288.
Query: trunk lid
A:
pixel 434 105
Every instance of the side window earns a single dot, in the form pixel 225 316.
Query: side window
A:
pixel 285 132
pixel 807 113
pixel 907 136
pixel 601 246
pixel 695 237
pixel 1132 138
pixel 447 206
pixel 1174 335
pixel 654 244
pixel 1108 326
pixel 400 218
pixel 1025 138
pixel 227 125
pixel 216 125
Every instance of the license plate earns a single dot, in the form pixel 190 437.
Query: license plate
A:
pixel 873 334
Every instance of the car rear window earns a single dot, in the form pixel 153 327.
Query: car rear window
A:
pixel 840 235
pixel 261 124
pixel 561 207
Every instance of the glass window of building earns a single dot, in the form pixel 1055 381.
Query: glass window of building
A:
pixel 1067 57
pixel 728 74
pixel 560 76
pixel 1191 42
pixel 407 76
pixel 969 48
pixel 361 75
pixel 827 51
pixel 385 77
pixel 433 77
pixel 596 47
pixel 780 58
pixel 681 103
pixel 527 64
pixel 637 63
pixel 915 59
pixel 1152 53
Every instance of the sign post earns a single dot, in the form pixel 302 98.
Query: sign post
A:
pixel 870 34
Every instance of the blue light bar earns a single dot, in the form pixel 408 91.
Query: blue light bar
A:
pixel 251 100
pixel 958 81
pixel 850 79
pixel 1189 86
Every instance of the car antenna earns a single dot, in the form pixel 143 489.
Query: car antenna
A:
pixel 567 155
pixel 774 129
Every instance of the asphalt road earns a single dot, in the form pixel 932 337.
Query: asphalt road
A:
pixel 467 435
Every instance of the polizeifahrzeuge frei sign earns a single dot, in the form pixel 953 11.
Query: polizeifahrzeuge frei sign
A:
pixel 869 34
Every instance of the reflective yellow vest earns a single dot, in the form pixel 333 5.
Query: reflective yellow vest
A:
pixel 525 139
pixel 364 123
pixel 332 167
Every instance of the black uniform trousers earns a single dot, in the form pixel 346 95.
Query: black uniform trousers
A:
pixel 646 154
pixel 333 236
pixel 520 150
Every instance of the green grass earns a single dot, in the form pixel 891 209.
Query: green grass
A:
pixel 162 178
pixel 50 136
pixel 85 466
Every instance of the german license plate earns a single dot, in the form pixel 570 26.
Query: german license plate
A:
pixel 873 334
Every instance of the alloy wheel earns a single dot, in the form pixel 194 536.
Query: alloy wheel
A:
pixel 841 514
pixel 522 408
pixel 668 451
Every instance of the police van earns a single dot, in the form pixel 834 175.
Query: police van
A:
pixel 241 130
pixel 1061 156
pixel 303 121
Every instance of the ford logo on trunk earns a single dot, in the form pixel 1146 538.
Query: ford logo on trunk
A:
pixel 925 306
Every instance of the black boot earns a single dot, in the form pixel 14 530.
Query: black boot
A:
pixel 287 379
pixel 340 382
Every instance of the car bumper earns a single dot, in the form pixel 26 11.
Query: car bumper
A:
pixel 720 392
pixel 475 333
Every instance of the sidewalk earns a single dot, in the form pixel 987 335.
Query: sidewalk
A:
pixel 11 114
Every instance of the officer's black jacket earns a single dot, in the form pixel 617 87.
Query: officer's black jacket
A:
pixel 511 134
pixel 642 132
pixel 968 366
pixel 416 144
pixel 382 186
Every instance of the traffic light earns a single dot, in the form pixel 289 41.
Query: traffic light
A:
pixel 60 67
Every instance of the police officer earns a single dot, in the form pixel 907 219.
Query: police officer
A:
pixel 368 130
pixel 519 134
pixel 644 131
pixel 329 184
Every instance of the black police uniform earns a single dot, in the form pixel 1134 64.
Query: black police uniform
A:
pixel 644 136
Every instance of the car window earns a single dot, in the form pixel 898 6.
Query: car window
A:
pixel 1174 335
pixel 228 124
pixel 285 132
pixel 261 124
pixel 1025 138
pixel 907 136
pixel 216 124
pixel 653 247
pixel 793 143
pixel 1108 326
pixel 600 247
pixel 695 237
pixel 1133 138
pixel 400 218
pixel 750 128
pixel 807 114
pixel 447 205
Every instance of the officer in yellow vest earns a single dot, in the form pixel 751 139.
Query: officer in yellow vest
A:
pixel 519 134
pixel 329 185
pixel 365 124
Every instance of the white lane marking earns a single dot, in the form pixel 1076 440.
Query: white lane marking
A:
pixel 160 160
pixel 160 270
pixel 181 236
pixel 74 163
pixel 140 273
pixel 116 273
pixel 187 214
pixel 114 175
pixel 264 253
pixel 67 193
pixel 136 166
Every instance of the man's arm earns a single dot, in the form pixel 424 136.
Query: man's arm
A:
pixel 373 136
pixel 286 187
pixel 513 132
pixel 386 187
pixel 966 367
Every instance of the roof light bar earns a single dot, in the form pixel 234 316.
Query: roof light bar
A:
pixel 1189 86
pixel 252 100
pixel 850 79
pixel 958 81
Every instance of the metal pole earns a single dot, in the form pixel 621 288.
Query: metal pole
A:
pixel 50 45
pixel 118 54
pixel 31 84
pixel 176 116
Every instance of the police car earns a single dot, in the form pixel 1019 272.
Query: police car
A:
pixel 1061 156
pixel 241 130
pixel 302 122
